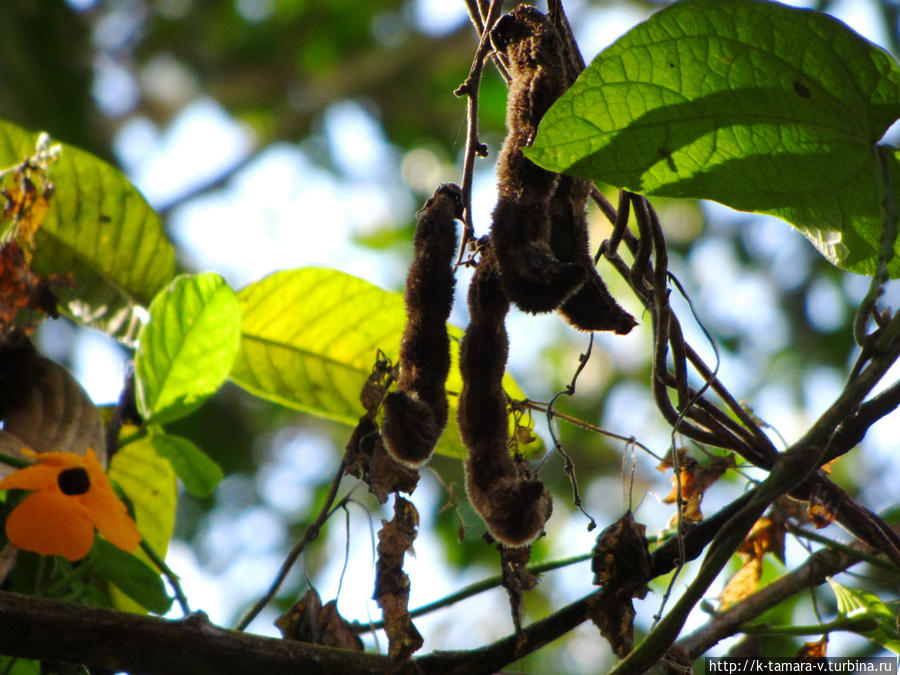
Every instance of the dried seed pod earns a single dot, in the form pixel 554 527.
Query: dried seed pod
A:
pixel 532 276
pixel 416 414
pixel 513 504
pixel 591 307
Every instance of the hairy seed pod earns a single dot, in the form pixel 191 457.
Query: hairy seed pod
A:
pixel 532 276
pixel 513 504
pixel 591 307
pixel 415 415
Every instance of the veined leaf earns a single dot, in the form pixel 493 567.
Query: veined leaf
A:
pixel 310 338
pixel 858 604
pixel 752 104
pixel 186 350
pixel 197 471
pixel 149 482
pixel 101 231
pixel 131 575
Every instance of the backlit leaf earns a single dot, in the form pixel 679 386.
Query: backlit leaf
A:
pixel 186 350
pixel 100 230
pixel 751 104
pixel 310 338
pixel 149 482
pixel 857 604
pixel 199 473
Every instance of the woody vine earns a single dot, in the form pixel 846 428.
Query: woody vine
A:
pixel 638 118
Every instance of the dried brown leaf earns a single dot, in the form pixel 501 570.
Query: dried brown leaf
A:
pixel 766 535
pixel 368 461
pixel 613 614
pixel 695 478
pixel 621 559
pixel 516 579
pixel 391 582
pixel 812 651
pixel 45 407
pixel 309 621
pixel 743 583
pixel 820 514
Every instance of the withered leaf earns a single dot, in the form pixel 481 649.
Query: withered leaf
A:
pixel 812 651
pixel 743 583
pixel 766 535
pixel 613 614
pixel 368 461
pixel 819 513
pixel 309 621
pixel 22 289
pixel 45 407
pixel 516 579
pixel 621 559
pixel 695 478
pixel 392 583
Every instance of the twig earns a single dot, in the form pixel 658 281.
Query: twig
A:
pixel 474 146
pixel 568 464
pixel 170 576
pixel 309 535
pixel 475 589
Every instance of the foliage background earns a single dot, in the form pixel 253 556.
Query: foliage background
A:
pixel 282 133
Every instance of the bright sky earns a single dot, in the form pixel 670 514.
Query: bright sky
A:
pixel 281 212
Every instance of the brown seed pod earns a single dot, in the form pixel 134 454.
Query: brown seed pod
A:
pixel 532 276
pixel 415 415
pixel 513 504
pixel 591 307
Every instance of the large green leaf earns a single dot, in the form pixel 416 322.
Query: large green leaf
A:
pixel 186 350
pixel 101 231
pixel 752 104
pixel 310 338
pixel 149 482
pixel 879 618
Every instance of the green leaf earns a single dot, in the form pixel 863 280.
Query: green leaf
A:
pixel 149 482
pixel 131 576
pixel 199 473
pixel 12 665
pixel 101 231
pixel 867 608
pixel 186 350
pixel 310 338
pixel 756 105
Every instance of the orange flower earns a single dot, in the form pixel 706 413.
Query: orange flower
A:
pixel 72 495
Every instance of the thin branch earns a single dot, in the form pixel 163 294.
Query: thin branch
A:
pixel 309 535
pixel 475 589
pixel 474 146
pixel 724 624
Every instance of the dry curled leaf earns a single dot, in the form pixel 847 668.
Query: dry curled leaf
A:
pixel 44 406
pixel 695 478
pixel 766 536
pixel 743 583
pixel 23 292
pixel 516 580
pixel 613 614
pixel 820 513
pixel 368 461
pixel 621 558
pixel 309 621
pixel 812 651
pixel 392 583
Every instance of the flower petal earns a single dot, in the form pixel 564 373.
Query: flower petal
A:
pixel 37 477
pixel 50 523
pixel 106 510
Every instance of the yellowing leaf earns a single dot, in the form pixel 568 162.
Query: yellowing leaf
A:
pixel 148 480
pixel 310 337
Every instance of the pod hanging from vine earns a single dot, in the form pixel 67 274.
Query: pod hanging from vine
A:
pixel 512 502
pixel 532 275
pixel 415 415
